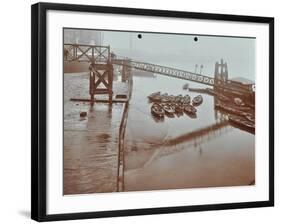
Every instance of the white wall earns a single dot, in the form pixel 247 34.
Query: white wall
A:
pixel 15 110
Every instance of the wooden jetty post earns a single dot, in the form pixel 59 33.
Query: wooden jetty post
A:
pixel 101 73
pixel 126 70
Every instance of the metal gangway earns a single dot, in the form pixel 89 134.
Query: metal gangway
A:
pixel 164 70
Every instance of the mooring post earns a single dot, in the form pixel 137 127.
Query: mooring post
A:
pixel 110 81
pixel 91 84
pixel 216 75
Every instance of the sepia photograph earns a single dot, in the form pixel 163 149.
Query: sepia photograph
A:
pixel 150 111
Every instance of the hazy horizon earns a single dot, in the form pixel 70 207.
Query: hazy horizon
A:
pixel 178 50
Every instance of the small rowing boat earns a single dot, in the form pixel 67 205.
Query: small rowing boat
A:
pixel 189 109
pixel 155 97
pixel 178 108
pixel 197 100
pixel 169 110
pixel 239 102
pixel 186 99
pixel 157 110
pixel 178 98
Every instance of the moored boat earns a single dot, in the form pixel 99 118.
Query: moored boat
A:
pixel 197 100
pixel 179 109
pixel 186 99
pixel 155 97
pixel 239 102
pixel 169 110
pixel 157 110
pixel 154 94
pixel 165 98
pixel 230 109
pixel 243 108
pixel 178 98
pixel 172 98
pixel 250 118
pixel 242 123
pixel 223 98
pixel 189 109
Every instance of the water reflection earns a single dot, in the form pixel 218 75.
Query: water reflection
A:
pixel 90 143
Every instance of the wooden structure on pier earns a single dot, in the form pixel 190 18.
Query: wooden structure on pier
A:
pixel 100 67
pixel 232 87
pixel 221 73
pixel 101 73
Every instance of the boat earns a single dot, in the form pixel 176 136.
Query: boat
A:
pixel 223 98
pixel 186 99
pixel 197 100
pixel 154 94
pixel 155 97
pixel 178 98
pixel 172 98
pixel 250 117
pixel 165 98
pixel 178 109
pixel 169 110
pixel 230 109
pixel 238 108
pixel 172 105
pixel 157 110
pixel 189 109
pixel 185 86
pixel 243 108
pixel 242 123
pixel 239 102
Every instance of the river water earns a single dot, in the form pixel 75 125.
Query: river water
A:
pixel 222 156
pixel 175 153
pixel 91 143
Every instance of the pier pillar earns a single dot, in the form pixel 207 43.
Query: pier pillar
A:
pixel 101 80
pixel 101 74
pixel 220 74
pixel 126 70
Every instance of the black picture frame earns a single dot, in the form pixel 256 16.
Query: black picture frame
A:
pixel 39 108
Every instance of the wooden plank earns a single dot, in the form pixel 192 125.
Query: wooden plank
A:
pixel 99 100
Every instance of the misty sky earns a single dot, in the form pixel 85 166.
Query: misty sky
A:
pixel 181 51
